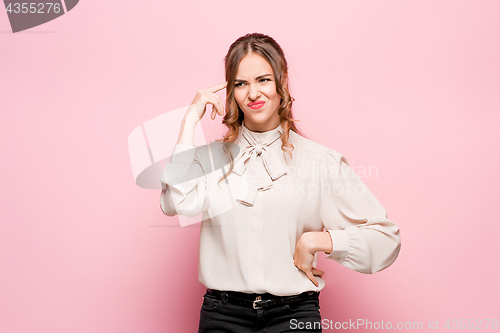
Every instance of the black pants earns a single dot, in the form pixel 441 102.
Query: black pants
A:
pixel 218 316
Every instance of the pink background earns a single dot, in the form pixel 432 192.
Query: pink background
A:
pixel 410 87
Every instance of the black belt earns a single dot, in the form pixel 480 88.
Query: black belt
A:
pixel 259 301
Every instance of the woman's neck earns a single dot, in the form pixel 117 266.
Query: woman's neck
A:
pixel 261 128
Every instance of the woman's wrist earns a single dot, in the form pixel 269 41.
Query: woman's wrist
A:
pixel 317 241
pixel 186 134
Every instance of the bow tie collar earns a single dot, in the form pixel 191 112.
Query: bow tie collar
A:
pixel 261 161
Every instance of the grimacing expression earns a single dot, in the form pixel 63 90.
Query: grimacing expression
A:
pixel 255 83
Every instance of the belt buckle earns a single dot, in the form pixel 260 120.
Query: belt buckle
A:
pixel 258 299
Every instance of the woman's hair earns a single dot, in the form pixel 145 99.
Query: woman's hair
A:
pixel 266 47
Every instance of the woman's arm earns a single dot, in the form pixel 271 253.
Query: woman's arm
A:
pixel 363 238
pixel 186 133
pixel 184 184
pixel 316 241
pixel 183 180
pixel 359 235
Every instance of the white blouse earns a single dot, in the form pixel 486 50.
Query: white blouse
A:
pixel 253 219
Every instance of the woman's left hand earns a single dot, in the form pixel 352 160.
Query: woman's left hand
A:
pixel 304 255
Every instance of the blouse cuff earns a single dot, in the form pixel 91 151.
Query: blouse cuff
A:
pixel 340 240
pixel 183 154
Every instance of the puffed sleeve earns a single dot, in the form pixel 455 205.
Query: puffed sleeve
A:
pixel 363 238
pixel 184 184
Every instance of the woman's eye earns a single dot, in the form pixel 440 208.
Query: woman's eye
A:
pixel 240 84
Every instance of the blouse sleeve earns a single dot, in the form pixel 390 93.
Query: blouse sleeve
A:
pixel 363 238
pixel 184 184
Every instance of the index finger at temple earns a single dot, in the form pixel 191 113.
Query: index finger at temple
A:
pixel 217 87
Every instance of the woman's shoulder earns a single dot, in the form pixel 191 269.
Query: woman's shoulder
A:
pixel 304 144
pixel 306 150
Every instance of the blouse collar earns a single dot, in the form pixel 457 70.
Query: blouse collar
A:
pixel 262 155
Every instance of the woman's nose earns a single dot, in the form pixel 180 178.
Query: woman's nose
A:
pixel 253 92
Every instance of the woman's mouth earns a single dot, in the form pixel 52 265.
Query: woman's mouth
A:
pixel 256 105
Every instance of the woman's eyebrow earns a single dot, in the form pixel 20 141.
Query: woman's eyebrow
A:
pixel 258 77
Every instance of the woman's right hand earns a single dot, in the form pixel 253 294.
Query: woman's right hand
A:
pixel 203 97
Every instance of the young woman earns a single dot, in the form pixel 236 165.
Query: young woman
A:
pixel 282 200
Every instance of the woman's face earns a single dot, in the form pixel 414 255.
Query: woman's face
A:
pixel 255 83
